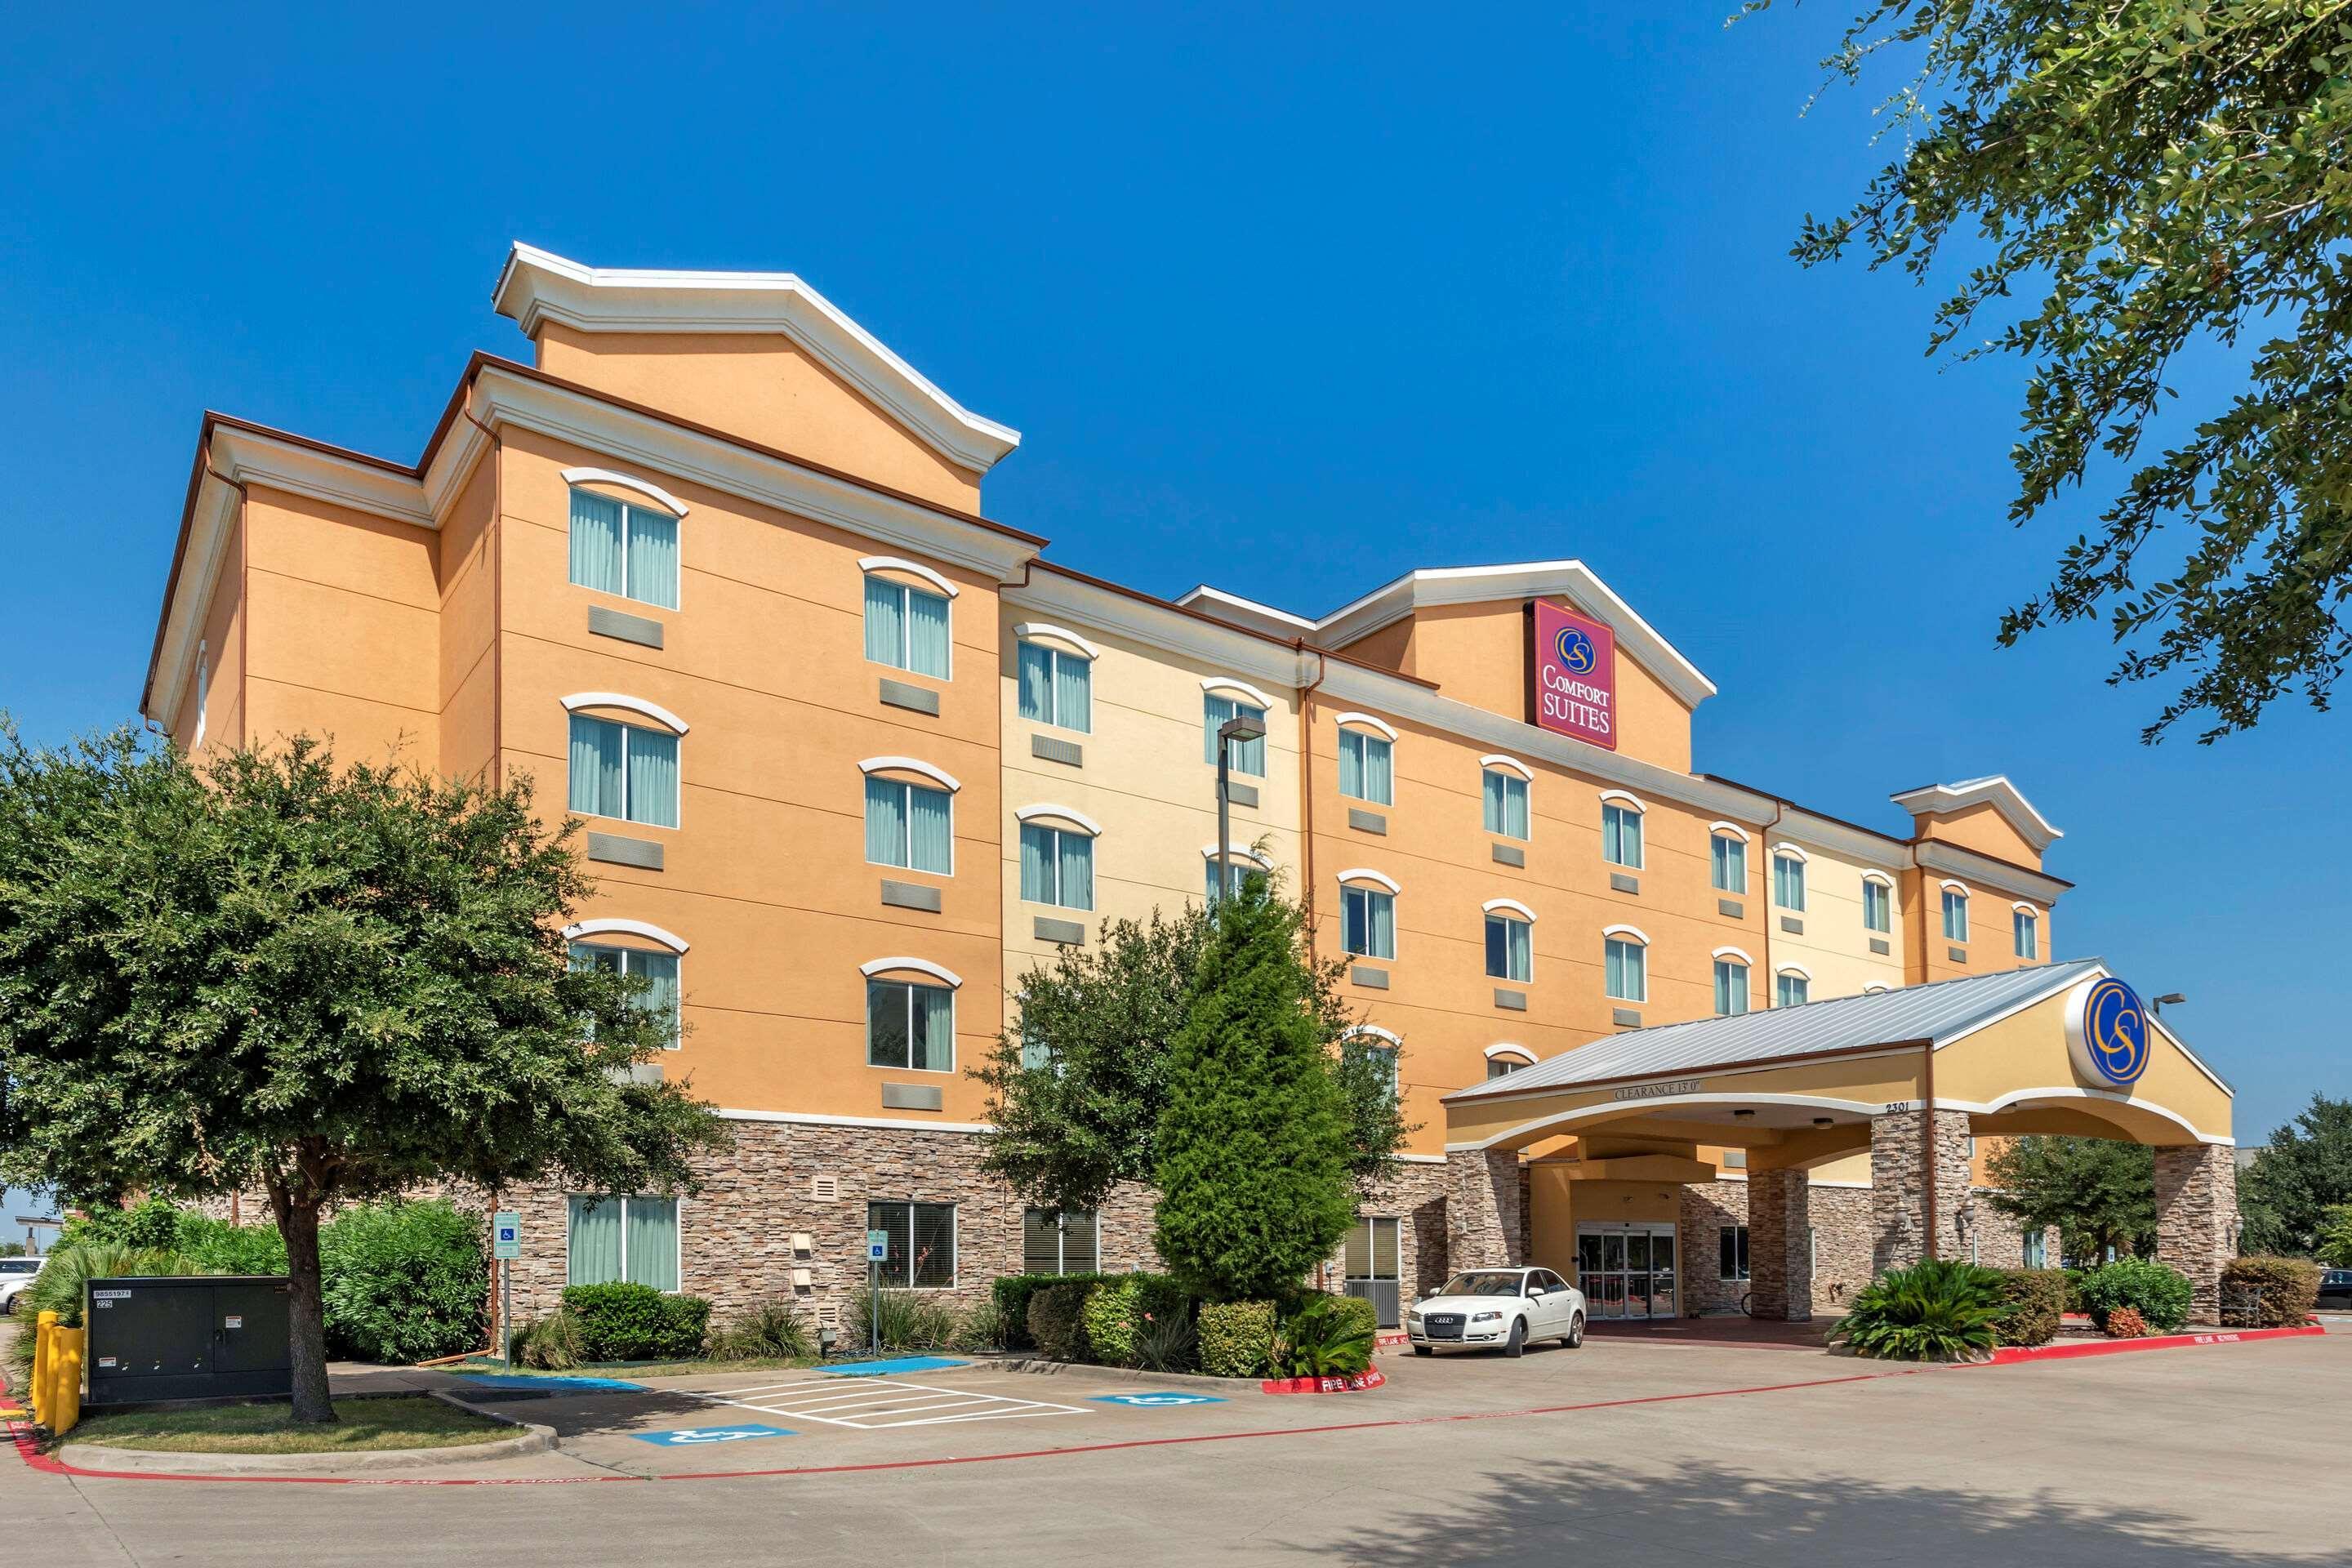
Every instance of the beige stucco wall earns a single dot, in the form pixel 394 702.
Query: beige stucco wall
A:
pixel 1835 946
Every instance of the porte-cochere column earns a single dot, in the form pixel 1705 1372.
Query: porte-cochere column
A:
pixel 1485 1215
pixel 1898 1182
pixel 2197 1219
pixel 1779 1245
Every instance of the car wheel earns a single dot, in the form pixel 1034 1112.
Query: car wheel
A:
pixel 1518 1343
pixel 1574 1338
pixel 1425 1350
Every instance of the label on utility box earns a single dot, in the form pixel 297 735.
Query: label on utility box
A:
pixel 109 1295
pixel 231 1321
pixel 105 1362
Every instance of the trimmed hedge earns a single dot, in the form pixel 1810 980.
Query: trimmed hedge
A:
pixel 1058 1319
pixel 1237 1338
pixel 1116 1307
pixel 637 1322
pixel 2289 1287
pixel 1013 1293
pixel 2160 1295
pixel 2036 1301
pixel 403 1282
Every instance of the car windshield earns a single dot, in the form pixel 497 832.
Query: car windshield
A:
pixel 1484 1282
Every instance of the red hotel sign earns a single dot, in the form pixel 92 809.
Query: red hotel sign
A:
pixel 1576 676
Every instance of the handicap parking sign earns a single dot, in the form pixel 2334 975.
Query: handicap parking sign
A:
pixel 1154 1401
pixel 704 1437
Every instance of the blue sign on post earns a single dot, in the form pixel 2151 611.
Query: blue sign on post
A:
pixel 1158 1400
pixel 705 1437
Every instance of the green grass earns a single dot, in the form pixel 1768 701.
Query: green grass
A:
pixel 396 1421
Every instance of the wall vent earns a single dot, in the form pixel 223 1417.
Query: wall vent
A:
pixel 828 1315
pixel 824 1189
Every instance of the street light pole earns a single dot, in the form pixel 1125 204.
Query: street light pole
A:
pixel 1233 730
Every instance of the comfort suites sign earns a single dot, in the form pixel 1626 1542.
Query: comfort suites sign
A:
pixel 1575 688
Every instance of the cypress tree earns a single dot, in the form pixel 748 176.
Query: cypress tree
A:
pixel 1254 1189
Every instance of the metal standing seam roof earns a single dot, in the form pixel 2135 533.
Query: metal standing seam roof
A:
pixel 1941 1011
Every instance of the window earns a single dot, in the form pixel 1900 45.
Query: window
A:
pixel 1955 915
pixel 1621 836
pixel 1728 864
pixel 1731 1252
pixel 1381 1049
pixel 1242 869
pixel 1057 688
pixel 1059 1241
pixel 1035 1053
pixel 921 1255
pixel 905 628
pixel 620 547
pixel 910 1025
pixel 1499 1066
pixel 621 771
pixel 2037 1250
pixel 659 970
pixel 1368 922
pixel 2025 931
pixel 1506 804
pixel 1628 967
pixel 910 825
pixel 1794 990
pixel 1510 948
pixel 1058 866
pixel 1787 881
pixel 1730 988
pixel 1366 770
pixel 622 1241
pixel 1878 905
pixel 1248 756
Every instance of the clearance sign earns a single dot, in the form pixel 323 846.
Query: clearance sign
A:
pixel 1576 676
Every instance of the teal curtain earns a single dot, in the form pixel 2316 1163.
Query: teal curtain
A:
pixel 1794 990
pixel 1036 679
pixel 1249 756
pixel 926 633
pixel 1073 682
pixel 661 995
pixel 1788 882
pixel 653 778
pixel 1494 801
pixel 596 767
pixel 886 1024
pixel 934 1042
pixel 1037 864
pixel 595 541
pixel 929 841
pixel 1628 977
pixel 1730 864
pixel 1383 921
pixel 1076 877
pixel 594 1250
pixel 886 627
pixel 652 557
pixel 1379 787
pixel 1351 764
pixel 1522 948
pixel 1620 837
pixel 1730 988
pixel 652 1225
pixel 885 822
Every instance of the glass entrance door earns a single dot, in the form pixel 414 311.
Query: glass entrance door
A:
pixel 1627 1270
pixel 1371 1267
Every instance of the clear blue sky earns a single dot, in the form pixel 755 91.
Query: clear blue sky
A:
pixel 1282 304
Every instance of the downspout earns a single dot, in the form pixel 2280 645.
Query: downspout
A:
pixel 496 539
pixel 1307 781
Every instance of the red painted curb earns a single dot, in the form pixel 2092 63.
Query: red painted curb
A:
pixel 2008 1354
pixel 1370 1378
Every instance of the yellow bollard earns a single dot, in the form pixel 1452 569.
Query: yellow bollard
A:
pixel 43 1327
pixel 64 1378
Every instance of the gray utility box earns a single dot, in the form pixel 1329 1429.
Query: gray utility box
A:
pixel 207 1336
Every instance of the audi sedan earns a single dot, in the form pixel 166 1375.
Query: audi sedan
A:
pixel 1497 1309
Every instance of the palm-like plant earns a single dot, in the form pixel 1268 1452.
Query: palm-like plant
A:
pixel 1934 1311
pixel 1320 1341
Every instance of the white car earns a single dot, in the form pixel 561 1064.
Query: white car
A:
pixel 16 1274
pixel 1500 1308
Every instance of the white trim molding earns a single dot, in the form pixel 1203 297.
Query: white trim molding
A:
pixel 1236 683
pixel 1366 874
pixel 638 705
pixel 1040 629
pixel 1950 886
pixel 1391 1035
pixel 1240 852
pixel 1636 933
pixel 1620 798
pixel 870 563
pixel 2022 906
pixel 1513 905
pixel 1498 760
pixel 917 965
pixel 1507 1049
pixel 910 765
pixel 608 927
pixel 1792 851
pixel 1369 722
pixel 627 482
pixel 1738 953
pixel 1994 790
pixel 1880 878
pixel 1731 827
pixel 1876 988
pixel 1061 814
pixel 1788 967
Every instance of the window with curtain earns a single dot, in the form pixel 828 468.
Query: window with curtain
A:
pixel 1368 922
pixel 1727 863
pixel 909 825
pixel 1787 881
pixel 1060 1241
pixel 617 1240
pixel 619 547
pixel 1057 688
pixel 2026 932
pixel 1877 906
pixel 1730 988
pixel 1244 867
pixel 1510 949
pixel 659 971
pixel 1795 990
pixel 921 1255
pixel 1248 756
pixel 1627 970
pixel 621 771
pixel 1503 1066
pixel 1058 866
pixel 1506 804
pixel 910 1025
pixel 1035 1054
pixel 1956 916
pixel 1621 836
pixel 905 628
pixel 1365 768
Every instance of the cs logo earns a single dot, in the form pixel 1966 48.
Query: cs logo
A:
pixel 2108 1033
pixel 1576 651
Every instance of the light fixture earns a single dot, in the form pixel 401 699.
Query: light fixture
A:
pixel 2170 999
pixel 1744 1114
pixel 1823 1121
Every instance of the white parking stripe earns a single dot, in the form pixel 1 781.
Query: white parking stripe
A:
pixel 879 1402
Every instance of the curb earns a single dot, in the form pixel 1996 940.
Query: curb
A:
pixel 2010 1356
pixel 1370 1378
pixel 533 1439
pixel 1089 1372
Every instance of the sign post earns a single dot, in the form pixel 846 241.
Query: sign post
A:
pixel 506 1246
pixel 877 1247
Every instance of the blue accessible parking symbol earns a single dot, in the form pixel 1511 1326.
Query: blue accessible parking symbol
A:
pixel 1154 1401
pixel 703 1437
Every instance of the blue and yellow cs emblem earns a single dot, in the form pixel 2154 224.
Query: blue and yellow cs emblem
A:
pixel 1576 654
pixel 2106 1032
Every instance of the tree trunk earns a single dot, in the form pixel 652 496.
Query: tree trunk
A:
pixel 305 1312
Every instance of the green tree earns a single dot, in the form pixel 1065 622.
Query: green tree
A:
pixel 2335 1236
pixel 1077 1089
pixel 2168 179
pixel 2305 1169
pixel 1252 1147
pixel 330 983
pixel 2098 1191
